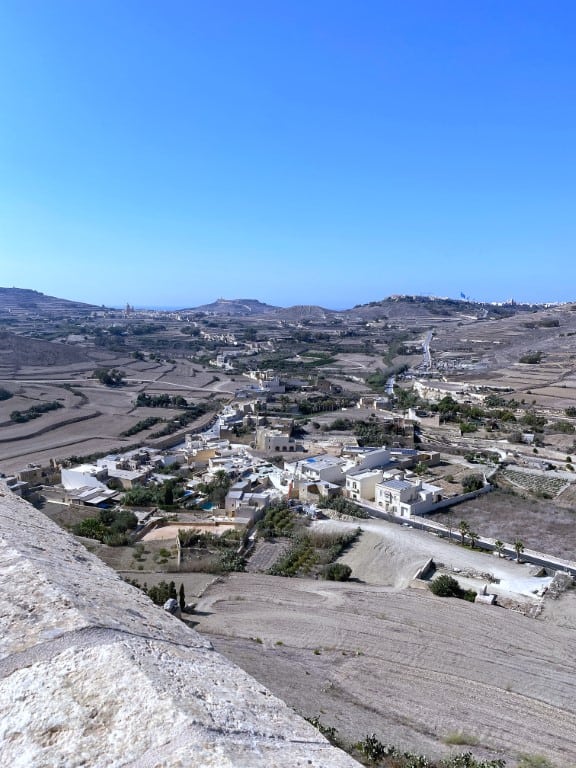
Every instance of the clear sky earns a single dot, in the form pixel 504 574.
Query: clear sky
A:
pixel 168 152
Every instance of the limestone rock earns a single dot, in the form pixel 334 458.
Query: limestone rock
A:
pixel 92 673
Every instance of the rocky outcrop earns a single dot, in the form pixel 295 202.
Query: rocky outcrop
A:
pixel 93 674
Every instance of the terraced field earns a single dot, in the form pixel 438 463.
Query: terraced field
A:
pixel 534 483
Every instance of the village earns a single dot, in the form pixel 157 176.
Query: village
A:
pixel 255 458
pixel 296 485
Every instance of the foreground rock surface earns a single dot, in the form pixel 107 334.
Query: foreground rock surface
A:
pixel 92 673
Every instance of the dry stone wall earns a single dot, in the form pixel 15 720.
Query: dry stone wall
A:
pixel 93 674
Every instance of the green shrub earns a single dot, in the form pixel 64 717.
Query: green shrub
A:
pixel 445 586
pixel 34 412
pixel 531 358
pixel 231 561
pixel 534 761
pixel 460 738
pixel 91 528
pixel 110 377
pixel 343 506
pixel 5 394
pixel 472 483
pixel 337 572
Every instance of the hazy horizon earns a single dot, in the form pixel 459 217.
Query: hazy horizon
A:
pixel 263 300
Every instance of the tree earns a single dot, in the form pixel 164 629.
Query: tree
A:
pixel 110 377
pixel 464 529
pixel 531 358
pixel 159 593
pixel 499 546
pixel 217 488
pixel 5 394
pixel 91 528
pixel 473 536
pixel 182 598
pixel 168 495
pixel 445 586
pixel 518 548
pixel 172 595
pixel 472 483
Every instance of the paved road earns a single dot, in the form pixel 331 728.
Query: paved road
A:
pixel 426 350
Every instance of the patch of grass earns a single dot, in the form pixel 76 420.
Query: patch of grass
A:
pixel 534 761
pixel 460 738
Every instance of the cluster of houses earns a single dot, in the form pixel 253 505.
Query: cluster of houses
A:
pixel 379 476
pixel 277 464
pixel 90 483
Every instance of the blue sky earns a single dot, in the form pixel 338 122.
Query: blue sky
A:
pixel 296 151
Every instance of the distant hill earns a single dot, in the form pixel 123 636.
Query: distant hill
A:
pixel 21 351
pixel 303 312
pixel 403 308
pixel 25 302
pixel 236 307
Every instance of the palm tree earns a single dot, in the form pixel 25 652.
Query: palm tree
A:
pixel 519 548
pixel 473 538
pixel 450 523
pixel 499 546
pixel 464 529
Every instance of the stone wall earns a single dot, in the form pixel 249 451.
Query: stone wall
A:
pixel 92 673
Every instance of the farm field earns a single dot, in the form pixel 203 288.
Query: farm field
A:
pixel 93 416
pixel 370 659
pixel 541 524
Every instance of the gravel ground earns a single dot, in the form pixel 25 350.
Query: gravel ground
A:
pixel 390 555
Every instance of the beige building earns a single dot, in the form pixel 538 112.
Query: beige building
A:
pixel 363 484
pixel 276 441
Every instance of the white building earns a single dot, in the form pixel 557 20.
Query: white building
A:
pixel 405 498
pixel 84 476
pixel 276 441
pixel 315 468
pixel 268 382
pixel 372 458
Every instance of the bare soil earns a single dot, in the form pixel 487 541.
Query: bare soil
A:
pixel 93 416
pixel 543 525
pixel 408 666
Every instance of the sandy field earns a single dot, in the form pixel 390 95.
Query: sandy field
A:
pixel 170 532
pixel 372 655
pixel 413 668
pixel 93 416
pixel 390 555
